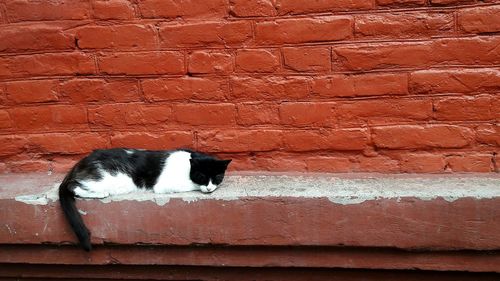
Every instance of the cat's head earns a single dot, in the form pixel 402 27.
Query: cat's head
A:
pixel 208 173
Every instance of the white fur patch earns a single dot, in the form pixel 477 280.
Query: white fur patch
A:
pixel 109 184
pixel 175 174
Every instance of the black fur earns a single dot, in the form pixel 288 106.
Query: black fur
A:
pixel 143 166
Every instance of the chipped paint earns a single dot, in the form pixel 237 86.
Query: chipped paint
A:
pixel 336 189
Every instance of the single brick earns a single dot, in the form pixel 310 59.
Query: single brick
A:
pixel 257 60
pixel 258 8
pixel 479 19
pixel 164 140
pixel 382 111
pixel 95 90
pixel 269 88
pixel 205 114
pixel 129 36
pixel 307 114
pixel 327 164
pixel 470 163
pixel 257 114
pixel 67 143
pixel 414 137
pixel 372 84
pixel 113 9
pixel 294 7
pixel 205 34
pixel 47 64
pixel 31 91
pixel 454 81
pixel 203 62
pixel 303 30
pixel 304 59
pixel 46 118
pixel 422 163
pixel 488 134
pixel 403 25
pixel 369 56
pixel 35 37
pixel 464 108
pixel 183 9
pixel 22 10
pixel 130 114
pixel 333 140
pixel 185 88
pixel 142 63
pixel 239 141
pixel 401 3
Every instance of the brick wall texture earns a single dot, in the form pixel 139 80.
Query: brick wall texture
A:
pixel 283 85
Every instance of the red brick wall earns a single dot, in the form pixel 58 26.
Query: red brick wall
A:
pixel 331 85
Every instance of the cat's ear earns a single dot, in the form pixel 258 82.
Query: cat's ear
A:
pixel 225 163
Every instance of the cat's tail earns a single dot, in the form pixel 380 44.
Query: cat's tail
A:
pixel 67 199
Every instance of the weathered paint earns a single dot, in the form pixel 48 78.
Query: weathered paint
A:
pixel 337 189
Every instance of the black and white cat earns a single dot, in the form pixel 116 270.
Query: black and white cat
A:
pixel 119 171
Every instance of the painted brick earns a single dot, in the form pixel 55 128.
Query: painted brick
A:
pixel 307 114
pixel 360 85
pixel 488 134
pixel 12 145
pixel 186 88
pixel 349 139
pixel 451 2
pixel 165 140
pixel 257 114
pixel 401 3
pixel 47 64
pixel 31 91
pixel 422 163
pixel 467 51
pixel 430 136
pixel 403 25
pixel 183 9
pixel 35 37
pixel 22 10
pixel 205 34
pixel 205 114
pixel 320 6
pixel 257 60
pixel 46 118
pixel 96 90
pixel 303 30
pixel 131 114
pixel 377 164
pixel 479 19
pixel 142 63
pixel 67 143
pixel 304 59
pixel 269 88
pixel 326 164
pixel 454 81
pixel 129 36
pixel 382 111
pixel 258 8
pixel 280 163
pixel 239 141
pixel 5 121
pixel 113 9
pixel 464 109
pixel 204 62
pixel 470 163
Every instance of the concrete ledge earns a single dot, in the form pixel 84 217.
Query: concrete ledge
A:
pixel 331 221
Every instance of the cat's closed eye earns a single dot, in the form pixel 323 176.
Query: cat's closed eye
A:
pixel 218 179
pixel 200 178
